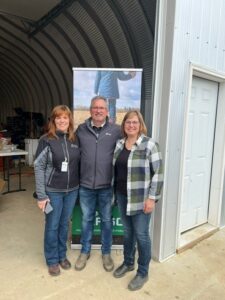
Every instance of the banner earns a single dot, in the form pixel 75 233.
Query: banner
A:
pixel 122 90
pixel 96 241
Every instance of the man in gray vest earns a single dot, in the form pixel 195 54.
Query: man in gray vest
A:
pixel 97 139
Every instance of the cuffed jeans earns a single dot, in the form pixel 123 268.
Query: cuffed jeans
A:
pixel 57 224
pixel 90 199
pixel 136 229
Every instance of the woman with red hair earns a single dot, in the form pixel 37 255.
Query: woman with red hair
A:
pixel 57 180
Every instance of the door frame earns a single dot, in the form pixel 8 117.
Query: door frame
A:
pixel 218 160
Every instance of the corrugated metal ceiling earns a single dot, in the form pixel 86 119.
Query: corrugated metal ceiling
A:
pixel 31 10
pixel 36 69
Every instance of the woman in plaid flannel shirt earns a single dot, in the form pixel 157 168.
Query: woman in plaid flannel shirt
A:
pixel 138 181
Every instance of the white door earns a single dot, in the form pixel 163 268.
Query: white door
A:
pixel 198 153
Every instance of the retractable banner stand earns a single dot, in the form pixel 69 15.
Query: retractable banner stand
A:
pixel 122 89
pixel 96 241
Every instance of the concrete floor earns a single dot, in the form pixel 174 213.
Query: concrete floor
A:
pixel 198 273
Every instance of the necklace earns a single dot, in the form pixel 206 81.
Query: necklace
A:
pixel 129 144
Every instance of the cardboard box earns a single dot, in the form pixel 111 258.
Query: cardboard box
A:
pixel 2 184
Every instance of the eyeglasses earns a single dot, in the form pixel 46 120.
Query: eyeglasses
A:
pixel 135 123
pixel 98 107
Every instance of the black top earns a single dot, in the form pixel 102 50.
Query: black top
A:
pixel 121 172
pixel 50 155
pixel 97 130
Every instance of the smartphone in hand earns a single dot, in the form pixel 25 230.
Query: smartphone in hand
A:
pixel 48 208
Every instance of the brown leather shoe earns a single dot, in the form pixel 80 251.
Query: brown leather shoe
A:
pixel 81 261
pixel 65 264
pixel 54 270
pixel 107 262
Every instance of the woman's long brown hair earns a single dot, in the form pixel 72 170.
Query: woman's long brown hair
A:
pixel 56 112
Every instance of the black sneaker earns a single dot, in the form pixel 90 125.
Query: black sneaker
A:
pixel 137 282
pixel 122 270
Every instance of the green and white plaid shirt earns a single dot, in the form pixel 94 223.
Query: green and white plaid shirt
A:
pixel 144 172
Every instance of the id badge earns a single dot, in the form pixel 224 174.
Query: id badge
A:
pixel 64 166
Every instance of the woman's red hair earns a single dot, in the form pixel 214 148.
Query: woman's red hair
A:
pixel 56 112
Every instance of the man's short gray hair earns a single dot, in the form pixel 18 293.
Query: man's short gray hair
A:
pixel 98 98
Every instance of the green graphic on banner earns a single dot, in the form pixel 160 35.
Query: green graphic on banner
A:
pixel 117 226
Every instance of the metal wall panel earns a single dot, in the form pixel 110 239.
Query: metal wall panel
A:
pixel 198 38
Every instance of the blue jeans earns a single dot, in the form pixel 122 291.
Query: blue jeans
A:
pixel 57 224
pixel 90 199
pixel 136 229
pixel 112 110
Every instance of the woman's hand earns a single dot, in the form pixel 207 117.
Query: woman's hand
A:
pixel 42 203
pixel 149 206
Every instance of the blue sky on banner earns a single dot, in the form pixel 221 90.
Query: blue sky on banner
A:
pixel 83 89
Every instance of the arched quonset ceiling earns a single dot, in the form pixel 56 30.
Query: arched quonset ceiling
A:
pixel 37 54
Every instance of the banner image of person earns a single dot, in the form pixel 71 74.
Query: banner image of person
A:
pixel 122 89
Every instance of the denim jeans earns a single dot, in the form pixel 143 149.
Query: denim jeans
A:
pixel 57 224
pixel 112 110
pixel 90 199
pixel 136 230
